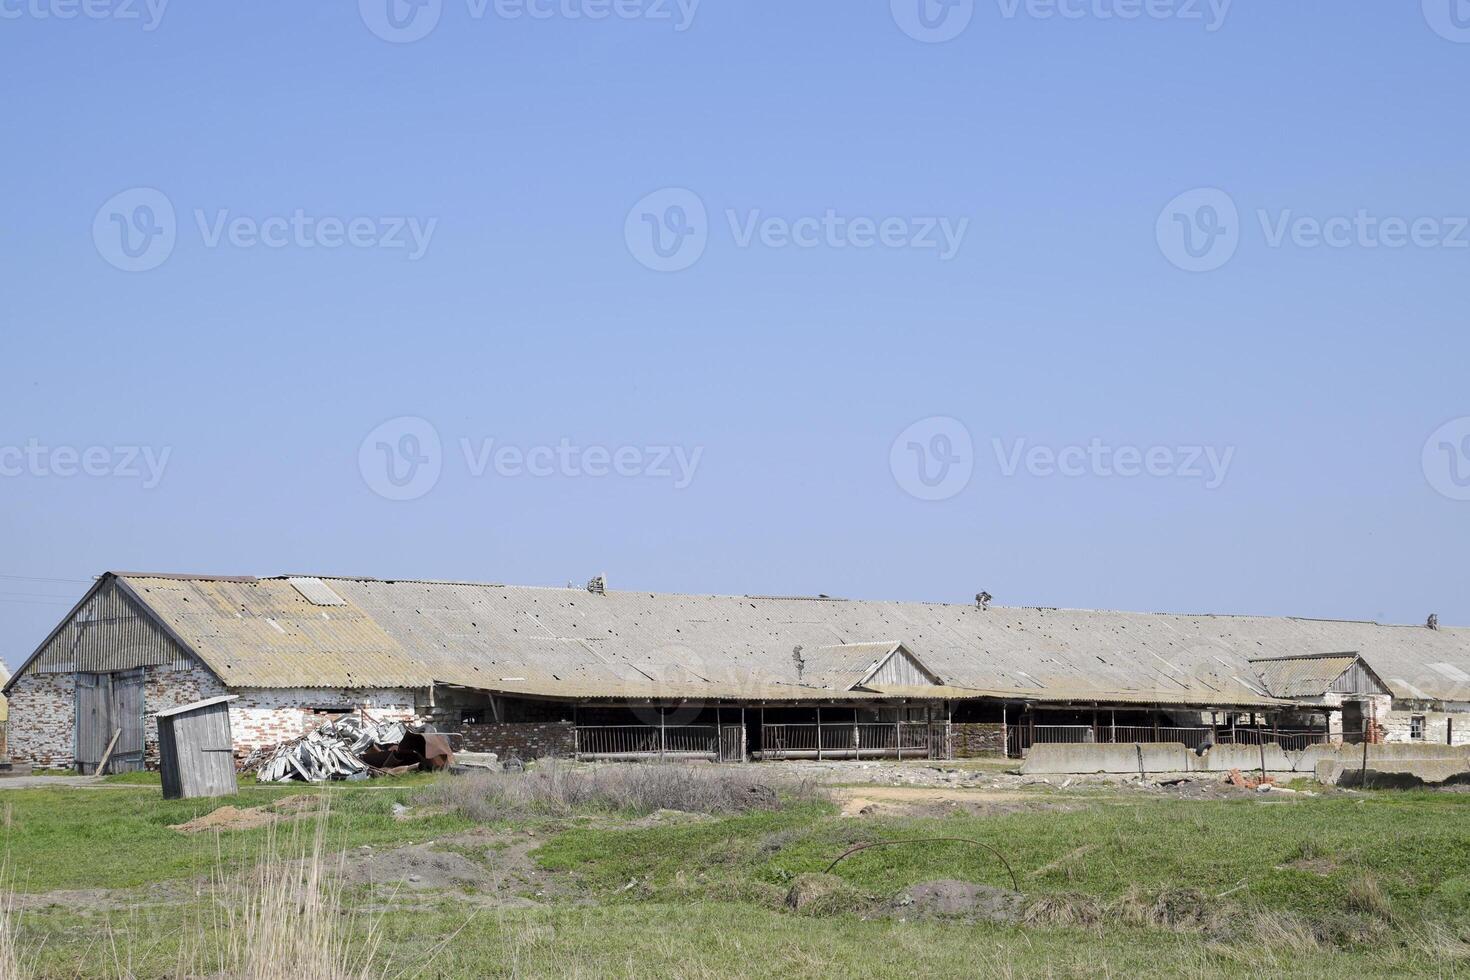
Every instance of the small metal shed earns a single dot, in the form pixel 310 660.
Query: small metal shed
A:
pixel 196 751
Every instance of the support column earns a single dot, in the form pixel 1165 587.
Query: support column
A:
pixel 819 733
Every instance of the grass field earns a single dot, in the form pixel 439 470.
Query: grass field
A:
pixel 1113 881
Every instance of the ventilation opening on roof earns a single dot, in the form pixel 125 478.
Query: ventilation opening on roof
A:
pixel 317 592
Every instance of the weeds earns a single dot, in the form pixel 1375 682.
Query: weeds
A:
pixel 558 790
pixel 1365 894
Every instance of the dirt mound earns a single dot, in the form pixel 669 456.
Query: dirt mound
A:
pixel 822 895
pixel 415 866
pixel 228 818
pixel 951 899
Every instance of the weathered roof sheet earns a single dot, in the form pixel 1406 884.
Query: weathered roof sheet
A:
pixel 1303 677
pixel 568 642
pixel 843 666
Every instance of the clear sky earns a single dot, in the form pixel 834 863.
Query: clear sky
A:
pixel 1141 304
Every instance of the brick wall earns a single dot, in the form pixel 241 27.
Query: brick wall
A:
pixel 43 713
pixel 524 740
pixel 43 720
pixel 265 716
pixel 972 739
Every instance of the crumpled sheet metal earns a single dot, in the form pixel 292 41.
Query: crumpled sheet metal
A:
pixel 351 748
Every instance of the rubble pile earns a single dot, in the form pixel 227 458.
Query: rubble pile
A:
pixel 351 748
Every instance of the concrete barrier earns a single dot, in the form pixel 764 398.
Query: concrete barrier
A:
pixel 1120 759
pixel 1328 763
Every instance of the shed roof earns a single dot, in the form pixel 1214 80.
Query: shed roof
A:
pixel 557 642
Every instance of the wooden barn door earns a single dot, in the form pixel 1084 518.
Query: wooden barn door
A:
pixel 108 703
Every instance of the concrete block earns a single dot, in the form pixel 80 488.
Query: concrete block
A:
pixel 1120 759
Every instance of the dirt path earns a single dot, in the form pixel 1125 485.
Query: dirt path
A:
pixel 930 800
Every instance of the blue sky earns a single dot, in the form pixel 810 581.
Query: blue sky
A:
pixel 1137 268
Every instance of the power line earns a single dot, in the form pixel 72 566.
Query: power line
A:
pixel 37 595
pixel 38 578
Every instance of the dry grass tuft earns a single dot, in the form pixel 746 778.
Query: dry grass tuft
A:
pixel 1065 909
pixel 286 920
pixel 15 961
pixel 1365 894
pixel 553 789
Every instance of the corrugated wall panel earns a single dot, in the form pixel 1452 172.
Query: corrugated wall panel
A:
pixel 900 671
pixel 1356 680
pixel 109 633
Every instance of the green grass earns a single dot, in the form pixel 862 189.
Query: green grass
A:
pixel 63 837
pixel 1416 844
pixel 1379 884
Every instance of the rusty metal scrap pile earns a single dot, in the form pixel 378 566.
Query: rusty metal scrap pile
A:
pixel 351 748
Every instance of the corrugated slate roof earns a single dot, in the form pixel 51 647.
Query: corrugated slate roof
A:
pixel 1303 677
pixel 570 643
pixel 842 666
